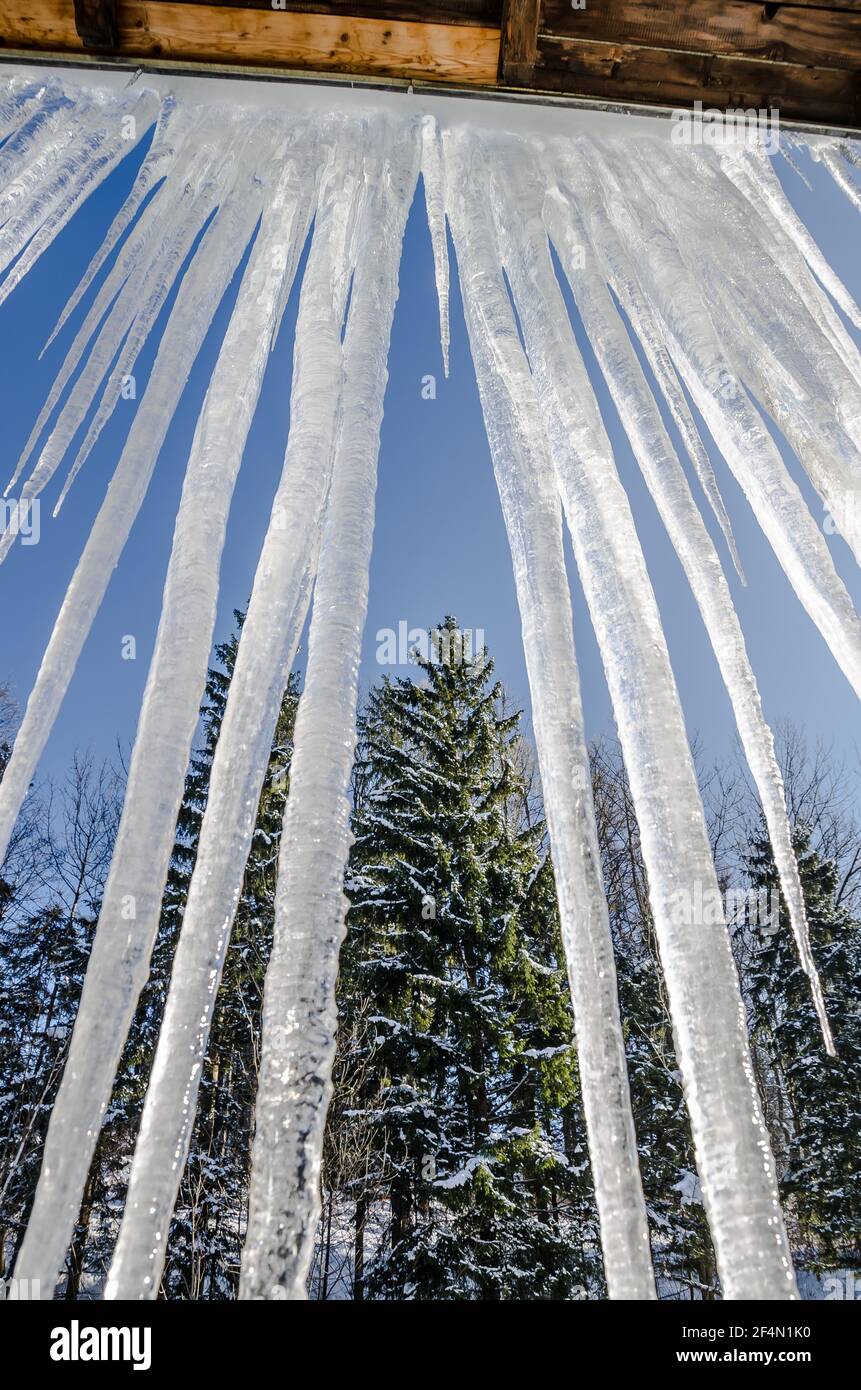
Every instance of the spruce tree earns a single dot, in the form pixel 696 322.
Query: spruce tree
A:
pixel 812 1100
pixel 453 954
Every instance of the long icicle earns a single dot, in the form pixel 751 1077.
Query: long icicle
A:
pixel 299 1010
pixel 760 183
pixel 793 367
pixel 668 486
pixel 733 420
pixel 267 648
pixel 111 314
pixel 133 321
pixel 572 173
pixel 199 295
pixel 172 129
pixel 96 152
pixel 432 178
pixel 76 1116
pixel 129 915
pixel 531 508
pixel 828 153
pixel 733 1154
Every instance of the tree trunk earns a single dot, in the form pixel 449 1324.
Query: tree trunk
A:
pixel 359 1261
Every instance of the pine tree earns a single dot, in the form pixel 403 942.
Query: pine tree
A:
pixel 813 1101
pixel 453 955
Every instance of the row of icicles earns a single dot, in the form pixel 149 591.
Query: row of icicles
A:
pixel 696 257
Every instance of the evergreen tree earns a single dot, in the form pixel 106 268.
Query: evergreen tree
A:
pixel 453 938
pixel 43 958
pixel 46 933
pixel 813 1101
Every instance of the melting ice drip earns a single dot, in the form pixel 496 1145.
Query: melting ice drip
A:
pixel 695 254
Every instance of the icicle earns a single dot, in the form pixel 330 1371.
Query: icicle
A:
pixel 573 171
pixel 531 509
pixel 728 295
pixel 198 297
pixel 299 1010
pixel 668 486
pixel 789 150
pixel 807 269
pixel 829 155
pixel 433 180
pixel 761 182
pixel 851 152
pixel 55 1206
pixel 32 142
pixel 818 404
pixel 171 130
pixel 131 322
pixel 733 1155
pixel 734 422
pixel 120 293
pixel 129 916
pixel 160 278
pixel 93 157
pixel 267 647
pixel 25 97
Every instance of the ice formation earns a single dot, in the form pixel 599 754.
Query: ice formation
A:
pixel 695 255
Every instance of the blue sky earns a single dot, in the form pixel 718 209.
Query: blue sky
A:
pixel 440 543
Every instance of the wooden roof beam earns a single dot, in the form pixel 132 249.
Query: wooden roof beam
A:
pixel 518 44
pixel 96 24
pixel 467 55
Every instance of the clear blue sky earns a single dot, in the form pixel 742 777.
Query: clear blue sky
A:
pixel 440 543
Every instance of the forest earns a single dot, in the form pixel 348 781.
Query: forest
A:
pixel 456 1164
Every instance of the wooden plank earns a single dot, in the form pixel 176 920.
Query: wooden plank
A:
pixel 518 46
pixel 780 33
pixel 217 33
pixel 807 4
pixel 632 74
pixel 482 13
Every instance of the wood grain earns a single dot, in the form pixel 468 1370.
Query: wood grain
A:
pixel 482 13
pixel 222 33
pixel 518 47
pixel 627 73
pixel 794 33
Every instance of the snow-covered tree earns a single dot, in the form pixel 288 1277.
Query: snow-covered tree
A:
pixel 813 1101
pixel 453 938
pixel 49 905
